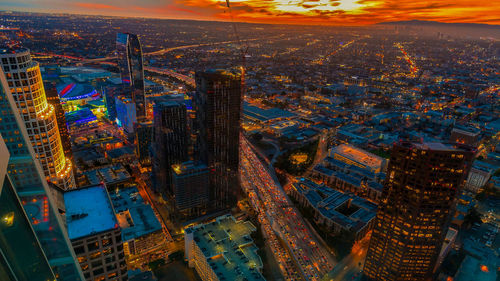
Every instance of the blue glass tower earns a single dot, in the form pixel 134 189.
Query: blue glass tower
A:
pixel 32 189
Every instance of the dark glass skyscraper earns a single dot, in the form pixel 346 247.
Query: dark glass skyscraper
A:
pixel 143 137
pixel 217 104
pixel 420 194
pixel 31 187
pixel 129 53
pixel 170 141
pixel 21 256
pixel 190 188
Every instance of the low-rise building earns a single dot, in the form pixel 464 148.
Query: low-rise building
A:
pixel 223 250
pixel 95 234
pixel 335 210
pixel 112 176
pixel 358 157
pixel 141 230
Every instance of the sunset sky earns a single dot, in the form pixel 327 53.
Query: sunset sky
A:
pixel 329 12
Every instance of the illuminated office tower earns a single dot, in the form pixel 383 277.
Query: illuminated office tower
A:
pixel 217 106
pixel 129 54
pixel 32 189
pixel 21 256
pixel 420 194
pixel 25 82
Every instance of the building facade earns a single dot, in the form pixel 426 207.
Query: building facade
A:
pixel 21 256
pixel 53 99
pixel 26 86
pixel 223 250
pixel 125 114
pixel 217 106
pixel 95 234
pixel 31 187
pixel 421 189
pixel 190 187
pixel 143 138
pixel 170 142
pixel 129 54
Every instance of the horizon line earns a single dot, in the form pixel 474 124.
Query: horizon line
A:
pixel 248 22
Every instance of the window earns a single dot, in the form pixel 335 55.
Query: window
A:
pixel 98 271
pixel 96 263
pixel 79 250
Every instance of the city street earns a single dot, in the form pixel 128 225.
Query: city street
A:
pixel 313 261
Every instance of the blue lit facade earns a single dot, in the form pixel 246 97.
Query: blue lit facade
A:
pixel 125 114
pixel 32 189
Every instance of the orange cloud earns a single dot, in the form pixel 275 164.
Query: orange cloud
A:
pixel 351 12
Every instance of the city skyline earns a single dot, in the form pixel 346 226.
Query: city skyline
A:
pixel 316 12
pixel 225 151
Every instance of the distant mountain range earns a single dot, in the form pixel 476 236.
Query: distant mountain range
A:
pixel 428 23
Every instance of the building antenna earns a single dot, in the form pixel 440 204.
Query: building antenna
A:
pixel 243 48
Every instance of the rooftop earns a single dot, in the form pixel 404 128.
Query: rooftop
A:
pixel 88 211
pixel 228 248
pixel 473 269
pixel 107 174
pixel 358 155
pixel 138 218
pixel 345 209
pixel 265 115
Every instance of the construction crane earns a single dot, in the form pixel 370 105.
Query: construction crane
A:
pixel 243 48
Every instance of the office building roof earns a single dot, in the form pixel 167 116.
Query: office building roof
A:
pixel 228 248
pixel 108 174
pixel 333 204
pixel 473 269
pixel 265 115
pixel 88 211
pixel 358 155
pixel 135 217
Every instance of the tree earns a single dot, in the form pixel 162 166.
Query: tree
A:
pixel 471 218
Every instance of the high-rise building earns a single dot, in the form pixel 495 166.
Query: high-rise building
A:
pixel 125 114
pixel 143 137
pixel 53 99
pixel 25 82
pixel 190 189
pixel 217 105
pixel 31 185
pixel 110 93
pixel 21 256
pixel 170 141
pixel 95 233
pixel 129 54
pixel 420 195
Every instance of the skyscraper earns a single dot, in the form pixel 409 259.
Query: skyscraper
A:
pixel 419 197
pixel 217 106
pixel 143 137
pixel 30 184
pixel 190 189
pixel 170 141
pixel 21 256
pixel 129 53
pixel 25 82
pixel 53 99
